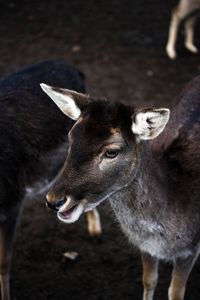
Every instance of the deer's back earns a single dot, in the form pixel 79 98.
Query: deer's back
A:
pixel 180 141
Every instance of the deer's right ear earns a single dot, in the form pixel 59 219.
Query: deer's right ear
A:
pixel 70 102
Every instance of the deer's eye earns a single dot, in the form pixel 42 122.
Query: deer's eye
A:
pixel 111 153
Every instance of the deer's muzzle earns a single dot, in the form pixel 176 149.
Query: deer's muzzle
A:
pixel 71 210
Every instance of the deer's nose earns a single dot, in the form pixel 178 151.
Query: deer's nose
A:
pixel 52 203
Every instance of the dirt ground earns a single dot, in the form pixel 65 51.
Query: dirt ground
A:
pixel 120 46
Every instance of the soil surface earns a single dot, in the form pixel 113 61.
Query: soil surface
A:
pixel 120 46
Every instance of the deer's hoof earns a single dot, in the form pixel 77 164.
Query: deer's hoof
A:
pixel 171 52
pixel 191 47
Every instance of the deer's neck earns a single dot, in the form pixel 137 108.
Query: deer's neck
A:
pixel 155 207
pixel 145 194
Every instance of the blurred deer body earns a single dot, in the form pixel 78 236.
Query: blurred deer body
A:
pixel 51 163
pixel 152 180
pixel 185 10
pixel 33 145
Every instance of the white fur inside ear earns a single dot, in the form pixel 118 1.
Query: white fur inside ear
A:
pixel 63 100
pixel 148 124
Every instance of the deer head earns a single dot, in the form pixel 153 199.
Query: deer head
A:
pixel 105 149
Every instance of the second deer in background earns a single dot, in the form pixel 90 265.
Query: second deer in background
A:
pixel 185 10
pixel 33 147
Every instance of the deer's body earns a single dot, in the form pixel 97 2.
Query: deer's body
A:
pixel 153 186
pixel 161 214
pixel 185 10
pixel 33 143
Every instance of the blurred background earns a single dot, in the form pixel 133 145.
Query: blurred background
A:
pixel 120 47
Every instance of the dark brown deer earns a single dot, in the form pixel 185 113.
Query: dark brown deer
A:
pixel 152 182
pixel 33 146
pixel 188 11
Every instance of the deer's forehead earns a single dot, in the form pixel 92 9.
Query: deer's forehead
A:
pixel 101 121
pixel 88 130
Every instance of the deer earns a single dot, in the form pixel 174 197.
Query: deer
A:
pixel 187 11
pixel 33 145
pixel 146 163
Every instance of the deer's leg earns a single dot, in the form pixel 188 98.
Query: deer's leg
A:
pixel 150 275
pixel 94 223
pixel 7 232
pixel 181 272
pixel 173 31
pixel 180 12
pixel 189 34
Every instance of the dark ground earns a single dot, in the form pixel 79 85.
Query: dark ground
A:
pixel 121 49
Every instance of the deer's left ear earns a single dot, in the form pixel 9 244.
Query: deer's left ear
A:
pixel 70 102
pixel 149 123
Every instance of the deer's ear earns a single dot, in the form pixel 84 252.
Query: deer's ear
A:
pixel 149 123
pixel 70 102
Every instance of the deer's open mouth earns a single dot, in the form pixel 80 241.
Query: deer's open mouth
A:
pixel 70 213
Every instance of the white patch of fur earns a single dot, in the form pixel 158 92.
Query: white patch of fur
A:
pixel 149 124
pixel 63 101
pixel 151 226
pixel 74 216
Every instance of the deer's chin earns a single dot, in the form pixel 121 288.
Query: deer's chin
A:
pixel 71 215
